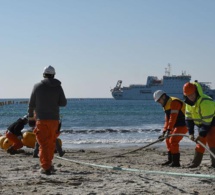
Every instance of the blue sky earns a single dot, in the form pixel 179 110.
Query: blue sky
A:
pixel 94 43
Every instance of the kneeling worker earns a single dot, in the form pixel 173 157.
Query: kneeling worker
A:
pixel 13 133
pixel 174 109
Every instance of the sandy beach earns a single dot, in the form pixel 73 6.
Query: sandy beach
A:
pixel 19 173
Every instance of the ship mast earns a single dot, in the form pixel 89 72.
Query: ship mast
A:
pixel 168 70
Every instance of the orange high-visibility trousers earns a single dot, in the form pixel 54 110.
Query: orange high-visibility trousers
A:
pixel 172 143
pixel 46 134
pixel 209 139
pixel 16 142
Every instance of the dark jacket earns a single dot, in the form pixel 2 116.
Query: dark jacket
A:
pixel 46 98
pixel 17 127
pixel 175 113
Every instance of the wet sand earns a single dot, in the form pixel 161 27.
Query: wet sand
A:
pixel 19 173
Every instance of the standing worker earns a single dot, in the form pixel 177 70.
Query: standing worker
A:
pixel 46 98
pixel 174 109
pixel 200 111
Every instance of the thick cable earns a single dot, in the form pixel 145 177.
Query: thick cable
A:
pixel 140 170
pixel 145 171
pixel 143 147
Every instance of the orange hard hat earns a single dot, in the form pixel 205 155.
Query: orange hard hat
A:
pixel 189 88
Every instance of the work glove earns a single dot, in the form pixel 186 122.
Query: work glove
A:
pixel 197 139
pixel 191 137
pixel 31 122
pixel 162 137
pixel 167 133
pixel 19 137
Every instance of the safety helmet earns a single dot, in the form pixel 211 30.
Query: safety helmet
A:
pixel 189 88
pixel 49 70
pixel 157 95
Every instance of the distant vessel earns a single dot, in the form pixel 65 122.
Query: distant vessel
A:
pixel 171 84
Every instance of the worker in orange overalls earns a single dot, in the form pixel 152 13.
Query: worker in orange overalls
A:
pixel 200 112
pixel 46 98
pixel 14 134
pixel 174 109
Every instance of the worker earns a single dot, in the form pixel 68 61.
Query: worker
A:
pixel 174 109
pixel 200 112
pixel 14 134
pixel 46 99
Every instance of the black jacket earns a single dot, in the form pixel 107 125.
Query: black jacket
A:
pixel 17 127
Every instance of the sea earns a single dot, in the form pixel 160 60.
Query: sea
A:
pixel 99 122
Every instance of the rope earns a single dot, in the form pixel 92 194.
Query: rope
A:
pixel 204 146
pixel 140 170
pixel 122 154
pixel 143 147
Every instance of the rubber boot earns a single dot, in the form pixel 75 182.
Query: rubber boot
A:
pixel 36 150
pixel 212 158
pixel 59 149
pixel 197 160
pixel 175 160
pixel 11 150
pixel 169 159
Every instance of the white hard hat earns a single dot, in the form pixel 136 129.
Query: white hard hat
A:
pixel 49 70
pixel 157 94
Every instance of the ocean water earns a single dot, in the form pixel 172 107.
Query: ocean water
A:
pixel 88 123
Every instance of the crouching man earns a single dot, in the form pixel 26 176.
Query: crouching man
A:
pixel 14 134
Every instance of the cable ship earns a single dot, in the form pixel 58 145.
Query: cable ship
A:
pixel 171 84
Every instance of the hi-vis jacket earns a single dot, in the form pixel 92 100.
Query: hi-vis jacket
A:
pixel 175 113
pixel 201 114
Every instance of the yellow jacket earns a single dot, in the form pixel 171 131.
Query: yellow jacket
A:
pixel 201 113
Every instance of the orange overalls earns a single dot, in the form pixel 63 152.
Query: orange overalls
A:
pixel 16 142
pixel 175 122
pixel 46 132
pixel 209 139
pixel 14 131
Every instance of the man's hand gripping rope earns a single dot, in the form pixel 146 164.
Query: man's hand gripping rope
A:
pixel 164 135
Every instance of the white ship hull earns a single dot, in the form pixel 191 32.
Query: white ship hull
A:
pixel 172 85
pixel 141 94
pixel 144 92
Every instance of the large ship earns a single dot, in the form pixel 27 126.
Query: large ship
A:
pixel 171 84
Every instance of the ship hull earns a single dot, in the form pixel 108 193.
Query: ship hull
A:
pixel 146 93
pixel 170 84
pixel 142 94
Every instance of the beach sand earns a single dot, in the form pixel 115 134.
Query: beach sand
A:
pixel 19 173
